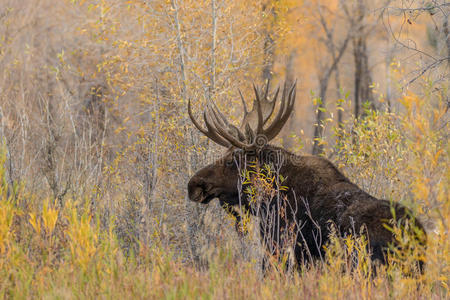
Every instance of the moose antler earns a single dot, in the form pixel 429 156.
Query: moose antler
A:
pixel 253 122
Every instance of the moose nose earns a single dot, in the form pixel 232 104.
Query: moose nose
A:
pixel 194 190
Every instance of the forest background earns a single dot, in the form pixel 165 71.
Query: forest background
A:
pixel 97 145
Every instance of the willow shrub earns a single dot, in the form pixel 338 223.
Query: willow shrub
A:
pixel 67 252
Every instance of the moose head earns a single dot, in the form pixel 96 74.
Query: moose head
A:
pixel 221 178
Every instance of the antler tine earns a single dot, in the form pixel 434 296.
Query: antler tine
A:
pixel 217 117
pixel 209 132
pixel 224 134
pixel 291 103
pixel 222 119
pixel 272 104
pixel 243 103
pixel 259 128
pixel 245 107
pixel 273 129
pixel 212 132
pixel 280 112
pixel 221 131
pixel 283 114
pixel 240 135
pixel 224 122
pixel 194 120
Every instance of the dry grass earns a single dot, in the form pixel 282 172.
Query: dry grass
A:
pixel 97 150
pixel 51 251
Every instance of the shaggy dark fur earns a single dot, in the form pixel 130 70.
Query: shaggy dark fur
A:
pixel 318 195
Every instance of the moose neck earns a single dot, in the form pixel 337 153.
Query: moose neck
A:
pixel 306 176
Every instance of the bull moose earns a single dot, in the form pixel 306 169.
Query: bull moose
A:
pixel 309 195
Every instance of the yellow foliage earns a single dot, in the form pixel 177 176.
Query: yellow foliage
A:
pixel 7 214
pixel 49 217
pixel 134 239
pixel 83 238
pixel 35 222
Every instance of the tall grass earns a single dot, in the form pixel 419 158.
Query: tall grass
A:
pixel 49 250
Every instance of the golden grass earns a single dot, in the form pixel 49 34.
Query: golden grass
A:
pixel 48 251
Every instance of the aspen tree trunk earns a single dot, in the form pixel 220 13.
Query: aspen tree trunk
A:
pixel 337 79
pixel 324 76
pixel 323 87
pixel 388 74
pixel 189 218
pixel 446 31
pixel 212 85
pixel 269 46
pixel 362 75
pixel 289 79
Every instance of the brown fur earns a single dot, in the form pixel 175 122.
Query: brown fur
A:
pixel 318 194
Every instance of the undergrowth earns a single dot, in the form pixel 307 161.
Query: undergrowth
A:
pixel 54 250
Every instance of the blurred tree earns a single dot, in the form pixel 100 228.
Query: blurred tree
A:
pixel 326 69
